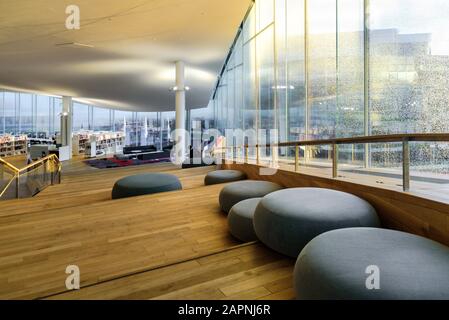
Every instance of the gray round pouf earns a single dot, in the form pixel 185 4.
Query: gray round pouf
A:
pixel 287 220
pixel 242 190
pixel 343 264
pixel 240 220
pixel 223 176
pixel 143 184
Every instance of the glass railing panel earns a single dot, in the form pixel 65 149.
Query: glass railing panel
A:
pixel 7 182
pixel 406 162
pixel 34 180
pixel 429 168
pixel 351 160
pixel 317 160
pixel 287 158
pixel 28 181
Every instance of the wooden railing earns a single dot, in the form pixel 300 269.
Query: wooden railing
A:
pixel 50 166
pixel 405 139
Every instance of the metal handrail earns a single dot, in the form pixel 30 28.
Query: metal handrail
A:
pixel 17 173
pixel 413 137
pixel 31 165
pixel 9 165
pixel 40 161
pixel 405 139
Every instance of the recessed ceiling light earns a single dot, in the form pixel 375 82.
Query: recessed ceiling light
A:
pixel 176 89
pixel 74 45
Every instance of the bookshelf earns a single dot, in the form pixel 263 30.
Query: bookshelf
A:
pixel 13 145
pixel 98 143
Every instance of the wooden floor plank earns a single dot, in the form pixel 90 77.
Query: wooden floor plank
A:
pixel 196 279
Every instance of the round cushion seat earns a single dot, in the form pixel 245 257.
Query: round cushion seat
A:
pixel 223 176
pixel 143 184
pixel 402 266
pixel 240 220
pixel 238 191
pixel 287 220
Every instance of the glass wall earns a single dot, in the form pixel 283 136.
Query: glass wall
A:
pixel 38 116
pixel 318 69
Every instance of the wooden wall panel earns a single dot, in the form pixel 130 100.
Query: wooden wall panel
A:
pixel 397 210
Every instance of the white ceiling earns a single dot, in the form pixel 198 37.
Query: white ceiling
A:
pixel 135 44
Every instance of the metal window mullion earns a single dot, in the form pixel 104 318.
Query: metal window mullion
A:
pixel 275 96
pixel 337 69
pixel 366 75
pixel 50 116
pixel 287 78
pixel 19 115
pixel 256 78
pixel 3 110
pixel 306 76
pixel 406 165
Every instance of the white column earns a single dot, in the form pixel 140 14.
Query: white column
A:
pixel 180 109
pixel 66 123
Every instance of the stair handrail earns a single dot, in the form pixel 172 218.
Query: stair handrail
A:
pixel 32 166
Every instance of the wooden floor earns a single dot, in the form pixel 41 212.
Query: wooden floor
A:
pixel 168 246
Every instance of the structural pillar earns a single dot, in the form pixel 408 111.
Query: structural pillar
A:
pixel 66 123
pixel 180 111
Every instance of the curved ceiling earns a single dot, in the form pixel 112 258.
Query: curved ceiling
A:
pixel 127 52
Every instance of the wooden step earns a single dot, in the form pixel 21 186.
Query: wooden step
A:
pixel 247 272
pixel 91 188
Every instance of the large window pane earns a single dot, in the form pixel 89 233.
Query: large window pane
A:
pixel 350 91
pixel 296 86
pixel 291 91
pixel 2 111
pixel 11 122
pixel 26 114
pixel 80 117
pixel 265 13
pixel 249 26
pixel 56 108
pixel 102 119
pixel 238 51
pixel 322 68
pixel 409 68
pixel 168 124
pixel 409 78
pixel 230 100
pixel 43 116
pixel 238 110
pixel 267 86
pixel 249 85
pixel 123 121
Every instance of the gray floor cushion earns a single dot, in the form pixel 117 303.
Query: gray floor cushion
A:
pixel 335 265
pixel 240 220
pixel 287 220
pixel 223 176
pixel 242 190
pixel 145 184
